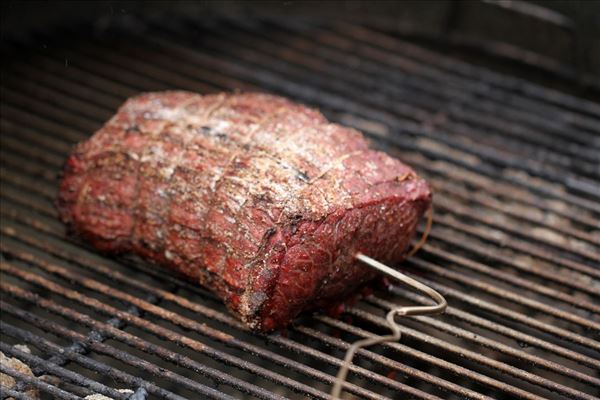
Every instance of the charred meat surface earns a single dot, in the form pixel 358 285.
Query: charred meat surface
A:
pixel 255 197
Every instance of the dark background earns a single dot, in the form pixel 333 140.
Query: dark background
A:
pixel 556 43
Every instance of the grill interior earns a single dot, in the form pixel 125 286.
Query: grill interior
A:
pixel 514 247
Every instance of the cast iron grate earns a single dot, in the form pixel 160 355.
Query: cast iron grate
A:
pixel 514 248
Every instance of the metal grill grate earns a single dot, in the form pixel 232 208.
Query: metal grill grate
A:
pixel 514 248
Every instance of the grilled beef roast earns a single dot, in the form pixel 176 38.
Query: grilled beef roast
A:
pixel 259 199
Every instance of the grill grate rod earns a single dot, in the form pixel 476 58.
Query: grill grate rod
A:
pixel 81 346
pixel 588 254
pixel 519 246
pixel 197 310
pixel 505 294
pixel 448 236
pixel 515 316
pixel 40 225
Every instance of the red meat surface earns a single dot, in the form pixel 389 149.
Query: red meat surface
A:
pixel 257 198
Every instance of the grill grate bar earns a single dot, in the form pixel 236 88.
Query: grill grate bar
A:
pixel 494 327
pixel 50 367
pixel 583 253
pixel 22 148
pixel 98 347
pixel 512 315
pixel 445 235
pixel 20 255
pixel 457 208
pixel 81 347
pixel 519 246
pixel 576 338
pixel 505 294
pixel 491 344
pixel 512 279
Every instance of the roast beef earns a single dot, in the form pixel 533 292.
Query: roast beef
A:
pixel 257 198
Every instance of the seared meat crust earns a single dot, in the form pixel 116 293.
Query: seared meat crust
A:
pixel 259 199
